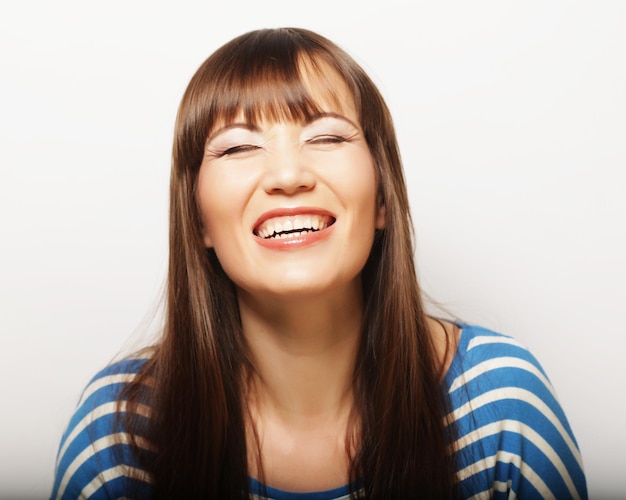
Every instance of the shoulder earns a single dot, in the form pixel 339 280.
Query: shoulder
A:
pixel 511 432
pixel 94 451
pixel 484 353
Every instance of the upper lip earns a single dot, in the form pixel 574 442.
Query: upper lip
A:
pixel 291 212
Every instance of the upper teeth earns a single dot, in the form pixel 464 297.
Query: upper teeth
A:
pixel 306 222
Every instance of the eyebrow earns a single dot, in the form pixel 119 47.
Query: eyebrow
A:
pixel 330 114
pixel 248 126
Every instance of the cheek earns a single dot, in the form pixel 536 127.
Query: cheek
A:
pixel 360 181
pixel 221 196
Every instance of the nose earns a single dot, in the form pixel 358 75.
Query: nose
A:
pixel 286 171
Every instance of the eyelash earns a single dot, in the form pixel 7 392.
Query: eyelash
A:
pixel 327 139
pixel 242 148
pixel 320 139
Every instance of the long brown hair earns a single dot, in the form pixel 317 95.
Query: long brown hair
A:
pixel 198 404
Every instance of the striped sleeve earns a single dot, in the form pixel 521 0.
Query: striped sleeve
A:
pixel 512 436
pixel 94 458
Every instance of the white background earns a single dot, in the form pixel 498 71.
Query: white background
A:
pixel 511 119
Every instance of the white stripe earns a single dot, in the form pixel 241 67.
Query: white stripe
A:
pixel 113 473
pixel 492 339
pixel 497 363
pixel 103 382
pixel 95 447
pixel 528 433
pixel 509 458
pixel 99 411
pixel 521 395
pixel 502 487
pixel 114 378
pixel 483 495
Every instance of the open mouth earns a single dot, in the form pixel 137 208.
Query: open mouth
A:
pixel 292 226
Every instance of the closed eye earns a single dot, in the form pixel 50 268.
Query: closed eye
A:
pixel 326 139
pixel 241 148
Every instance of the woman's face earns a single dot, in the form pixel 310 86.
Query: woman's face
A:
pixel 291 207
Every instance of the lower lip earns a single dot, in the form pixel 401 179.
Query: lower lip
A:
pixel 297 242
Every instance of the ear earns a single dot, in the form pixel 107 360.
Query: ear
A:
pixel 381 213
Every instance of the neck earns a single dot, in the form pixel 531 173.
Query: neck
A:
pixel 303 350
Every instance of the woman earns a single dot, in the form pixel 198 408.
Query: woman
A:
pixel 296 359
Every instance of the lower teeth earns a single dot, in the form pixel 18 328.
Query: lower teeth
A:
pixel 294 234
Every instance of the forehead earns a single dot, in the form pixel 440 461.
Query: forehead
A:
pixel 288 95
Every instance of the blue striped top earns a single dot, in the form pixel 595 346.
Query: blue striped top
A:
pixel 514 439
